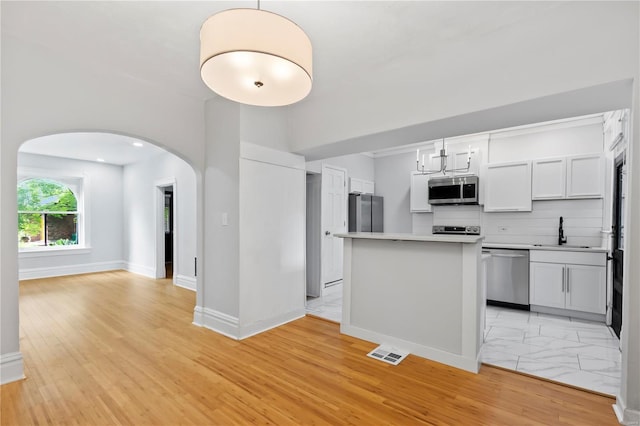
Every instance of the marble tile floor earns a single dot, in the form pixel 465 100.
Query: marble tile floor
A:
pixel 328 306
pixel 567 350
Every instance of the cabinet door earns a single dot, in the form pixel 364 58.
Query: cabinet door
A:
pixel 585 176
pixel 459 160
pixel 586 288
pixel 548 179
pixel 546 284
pixel 508 187
pixel 368 187
pixel 356 185
pixel 419 193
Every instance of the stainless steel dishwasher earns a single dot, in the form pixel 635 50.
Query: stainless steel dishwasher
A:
pixel 508 278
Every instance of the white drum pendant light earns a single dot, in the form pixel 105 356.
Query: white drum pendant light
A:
pixel 255 57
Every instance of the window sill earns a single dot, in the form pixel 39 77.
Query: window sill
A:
pixel 58 251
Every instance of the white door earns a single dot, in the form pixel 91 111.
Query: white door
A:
pixel 334 221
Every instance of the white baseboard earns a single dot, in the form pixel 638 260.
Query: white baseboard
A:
pixel 186 282
pixel 569 313
pixel 58 271
pixel 11 367
pixel 438 355
pixel 229 326
pixel 217 321
pixel 625 416
pixel 261 326
pixel 143 270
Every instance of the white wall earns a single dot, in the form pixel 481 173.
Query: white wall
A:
pixel 140 193
pixel 102 217
pixel 264 126
pixel 221 197
pixel 360 166
pixel 74 97
pixel 272 238
pixel 557 140
pixel 255 233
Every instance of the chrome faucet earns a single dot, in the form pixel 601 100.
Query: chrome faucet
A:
pixel 561 238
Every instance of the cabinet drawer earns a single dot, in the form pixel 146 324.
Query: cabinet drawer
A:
pixel 574 257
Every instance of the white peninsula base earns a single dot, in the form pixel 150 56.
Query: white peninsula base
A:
pixel 418 293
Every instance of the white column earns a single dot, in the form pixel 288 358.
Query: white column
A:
pixel 627 405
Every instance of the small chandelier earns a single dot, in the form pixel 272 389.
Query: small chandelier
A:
pixel 255 57
pixel 443 162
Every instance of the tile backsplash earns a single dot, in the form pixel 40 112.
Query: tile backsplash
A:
pixel 582 222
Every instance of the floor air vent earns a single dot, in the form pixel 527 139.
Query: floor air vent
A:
pixel 388 354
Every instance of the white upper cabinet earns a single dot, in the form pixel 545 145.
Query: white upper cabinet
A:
pixel 585 176
pixel 507 187
pixel 458 160
pixel 549 179
pixel 361 186
pixel 419 193
pixel 368 187
pixel 568 177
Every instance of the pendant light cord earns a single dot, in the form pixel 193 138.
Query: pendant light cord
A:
pixel 258 4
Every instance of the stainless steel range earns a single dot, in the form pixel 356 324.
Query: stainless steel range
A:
pixel 459 230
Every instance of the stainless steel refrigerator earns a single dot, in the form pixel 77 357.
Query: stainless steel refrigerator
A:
pixel 365 213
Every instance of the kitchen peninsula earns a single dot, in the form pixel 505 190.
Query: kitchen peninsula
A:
pixel 419 293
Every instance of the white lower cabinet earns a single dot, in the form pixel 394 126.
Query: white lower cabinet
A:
pixel 546 284
pixel 586 288
pixel 577 287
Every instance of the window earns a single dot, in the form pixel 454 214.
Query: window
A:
pixel 47 214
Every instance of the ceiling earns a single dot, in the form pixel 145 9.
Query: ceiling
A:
pixel 112 149
pixel 353 41
pixel 358 47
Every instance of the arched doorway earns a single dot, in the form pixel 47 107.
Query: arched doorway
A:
pixel 118 216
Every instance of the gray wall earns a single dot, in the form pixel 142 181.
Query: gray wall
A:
pixel 393 182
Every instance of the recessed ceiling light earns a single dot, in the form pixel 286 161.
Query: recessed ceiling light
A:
pixel 137 144
pixel 100 160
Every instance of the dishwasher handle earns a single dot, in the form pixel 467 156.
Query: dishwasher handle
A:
pixel 507 255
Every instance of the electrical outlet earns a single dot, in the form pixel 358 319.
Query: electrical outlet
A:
pixel 225 219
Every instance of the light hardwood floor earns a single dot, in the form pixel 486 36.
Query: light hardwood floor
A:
pixel 117 348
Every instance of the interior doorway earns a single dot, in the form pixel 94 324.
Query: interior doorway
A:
pixel 326 216
pixel 333 221
pixel 618 243
pixel 166 229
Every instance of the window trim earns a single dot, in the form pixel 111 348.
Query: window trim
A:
pixel 52 251
pixel 78 184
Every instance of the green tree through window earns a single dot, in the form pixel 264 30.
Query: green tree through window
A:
pixel 47 214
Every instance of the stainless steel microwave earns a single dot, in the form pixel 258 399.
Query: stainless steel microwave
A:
pixel 453 190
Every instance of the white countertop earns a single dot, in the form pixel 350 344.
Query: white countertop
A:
pixel 468 239
pixel 543 247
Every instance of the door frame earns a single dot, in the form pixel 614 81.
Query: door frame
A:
pixel 323 218
pixel 159 258
pixel 619 161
